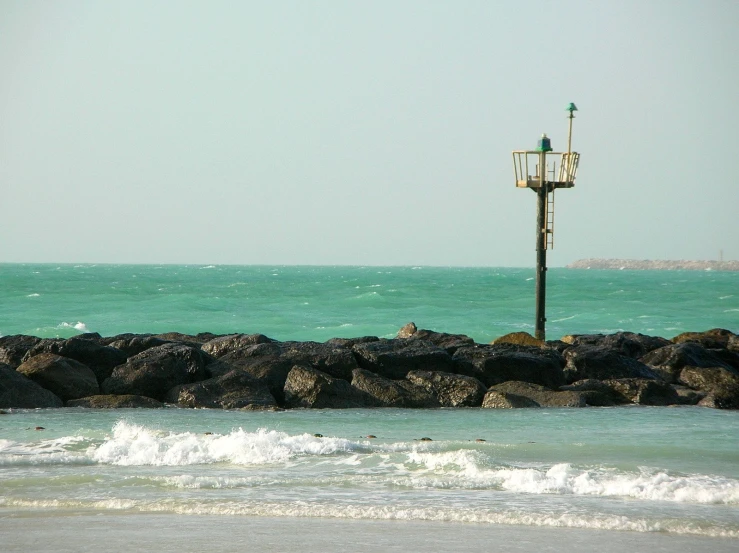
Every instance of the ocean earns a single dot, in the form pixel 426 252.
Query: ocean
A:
pixel 639 478
pixel 318 303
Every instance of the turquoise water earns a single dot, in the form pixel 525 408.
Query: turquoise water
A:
pixel 629 470
pixel 318 303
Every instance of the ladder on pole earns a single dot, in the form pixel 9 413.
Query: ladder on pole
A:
pixel 549 223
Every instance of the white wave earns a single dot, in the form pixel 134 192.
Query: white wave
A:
pixel 132 444
pixel 208 267
pixel 34 295
pixel 658 486
pixel 79 325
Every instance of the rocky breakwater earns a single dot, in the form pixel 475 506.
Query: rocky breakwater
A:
pixel 417 369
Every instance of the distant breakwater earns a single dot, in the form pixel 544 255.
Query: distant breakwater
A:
pixel 417 369
pixel 654 265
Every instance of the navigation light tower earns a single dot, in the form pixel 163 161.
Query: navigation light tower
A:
pixel 543 171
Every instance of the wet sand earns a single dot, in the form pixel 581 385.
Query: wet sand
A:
pixel 91 533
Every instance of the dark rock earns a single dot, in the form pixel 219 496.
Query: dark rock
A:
pixel 597 362
pixel 709 379
pixel 716 338
pixel 688 396
pixel 720 383
pixel 727 357
pixel 187 339
pixel 501 400
pixel 448 342
pixel 645 391
pixel 308 387
pixel 452 390
pixel 157 370
pixel 543 397
pixel 66 378
pixel 335 361
pixel 100 359
pixel 628 344
pixel 234 390
pixel 669 360
pixel 720 400
pixel 14 348
pixel 394 359
pixel 265 363
pixel 19 392
pixel 733 344
pixel 557 345
pixel 519 339
pixel 494 364
pixel 133 345
pixel 596 393
pixel 91 336
pixel 218 347
pixel 391 393
pixel 349 343
pixel 115 402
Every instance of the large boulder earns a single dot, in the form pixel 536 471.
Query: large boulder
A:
pixel 526 394
pixel 264 362
pixel 218 347
pixel 596 393
pixel 597 362
pixel 14 348
pixel 392 393
pixel 66 378
pixel 133 344
pixel 669 360
pixel 719 383
pixel 349 343
pixel 716 338
pixel 194 341
pixel 157 370
pixel 448 342
pixel 452 390
pixel 394 359
pixel 234 390
pixel 100 359
pixel 629 344
pixel 18 391
pixel 519 339
pixel 501 400
pixel 338 362
pixel 494 364
pixel 643 391
pixel 115 402
pixel 309 387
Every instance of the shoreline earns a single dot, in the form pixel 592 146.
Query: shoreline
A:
pixel 654 265
pixel 167 533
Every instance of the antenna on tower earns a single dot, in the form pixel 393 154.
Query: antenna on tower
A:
pixel 532 171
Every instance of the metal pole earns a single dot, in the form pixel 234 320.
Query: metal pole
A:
pixel 541 252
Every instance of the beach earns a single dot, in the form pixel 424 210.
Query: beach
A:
pixel 86 533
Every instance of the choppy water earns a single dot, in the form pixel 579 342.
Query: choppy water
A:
pixel 666 470
pixel 318 303
pixel 625 469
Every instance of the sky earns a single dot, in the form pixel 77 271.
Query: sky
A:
pixel 364 133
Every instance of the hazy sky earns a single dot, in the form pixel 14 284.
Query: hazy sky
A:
pixel 342 132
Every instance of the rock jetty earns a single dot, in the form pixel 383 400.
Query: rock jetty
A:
pixel 655 265
pixel 417 369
